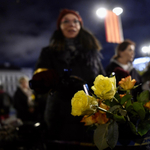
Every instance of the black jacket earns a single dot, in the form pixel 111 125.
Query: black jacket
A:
pixel 121 73
pixel 20 102
pixel 85 66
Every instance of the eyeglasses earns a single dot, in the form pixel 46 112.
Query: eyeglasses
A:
pixel 66 22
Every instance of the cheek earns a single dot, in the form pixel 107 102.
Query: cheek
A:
pixel 64 31
pixel 78 28
pixel 62 28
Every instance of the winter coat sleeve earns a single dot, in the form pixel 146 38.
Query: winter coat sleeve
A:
pixel 45 77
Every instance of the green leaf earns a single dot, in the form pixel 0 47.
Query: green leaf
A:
pixel 117 96
pixel 120 119
pixel 125 98
pixel 113 134
pixel 107 102
pixel 110 103
pixel 129 105
pixel 143 97
pixel 143 127
pixel 122 112
pixel 100 136
pixel 133 128
pixel 114 108
pixel 138 107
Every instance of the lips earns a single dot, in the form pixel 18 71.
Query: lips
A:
pixel 72 30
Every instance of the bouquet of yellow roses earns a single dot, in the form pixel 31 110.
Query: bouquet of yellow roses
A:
pixel 107 109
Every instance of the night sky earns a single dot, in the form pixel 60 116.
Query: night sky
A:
pixel 27 25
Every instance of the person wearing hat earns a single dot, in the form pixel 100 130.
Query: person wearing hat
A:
pixel 72 59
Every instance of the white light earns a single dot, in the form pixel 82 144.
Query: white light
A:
pixel 145 49
pixel 141 60
pixel 118 10
pixel 141 63
pixel 37 124
pixel 101 12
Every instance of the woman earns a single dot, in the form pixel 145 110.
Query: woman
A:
pixel 121 63
pixel 71 60
pixel 23 100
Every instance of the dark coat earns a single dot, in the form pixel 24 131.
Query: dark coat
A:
pixel 85 65
pixel 20 101
pixel 121 73
pixel 5 104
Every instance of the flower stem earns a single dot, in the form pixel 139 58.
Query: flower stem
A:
pixel 104 110
pixel 116 99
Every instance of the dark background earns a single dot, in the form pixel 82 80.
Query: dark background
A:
pixel 27 25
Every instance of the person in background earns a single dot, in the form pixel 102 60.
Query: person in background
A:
pixel 146 78
pixel 72 59
pixel 23 100
pixel 121 63
pixel 5 104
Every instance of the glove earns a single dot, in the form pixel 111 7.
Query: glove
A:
pixel 44 81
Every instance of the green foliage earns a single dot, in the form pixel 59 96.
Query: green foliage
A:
pixel 113 134
pixel 138 107
pixel 133 128
pixel 144 127
pixel 129 105
pixel 143 97
pixel 100 135
pixel 126 98
pixel 119 118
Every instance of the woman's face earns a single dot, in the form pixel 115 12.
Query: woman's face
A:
pixel 128 53
pixel 70 26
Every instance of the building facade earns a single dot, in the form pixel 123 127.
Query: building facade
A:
pixel 9 78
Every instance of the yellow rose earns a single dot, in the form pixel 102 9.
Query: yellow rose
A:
pixel 104 87
pixel 127 83
pixel 82 104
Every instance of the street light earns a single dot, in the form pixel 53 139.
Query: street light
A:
pixel 101 12
pixel 146 50
pixel 118 10
pixel 112 22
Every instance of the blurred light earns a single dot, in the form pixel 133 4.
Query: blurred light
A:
pixel 141 60
pixel 17 128
pixel 101 12
pixel 37 124
pixel 145 49
pixel 118 10
pixel 141 63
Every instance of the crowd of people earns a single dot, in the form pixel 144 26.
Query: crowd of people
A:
pixel 72 59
